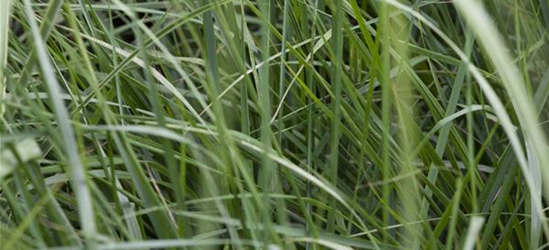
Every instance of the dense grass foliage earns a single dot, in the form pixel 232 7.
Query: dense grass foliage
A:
pixel 274 124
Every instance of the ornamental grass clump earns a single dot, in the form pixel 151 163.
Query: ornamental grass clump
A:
pixel 274 124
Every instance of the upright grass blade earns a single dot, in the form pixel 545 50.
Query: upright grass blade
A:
pixel 474 229
pixel 69 146
pixel 336 78
pixel 213 87
pixel 386 106
pixel 407 189
pixel 5 13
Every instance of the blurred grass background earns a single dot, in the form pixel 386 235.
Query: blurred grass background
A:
pixel 274 124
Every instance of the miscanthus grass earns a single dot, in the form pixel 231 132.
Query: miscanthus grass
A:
pixel 274 124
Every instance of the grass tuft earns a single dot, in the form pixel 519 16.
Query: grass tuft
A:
pixel 275 124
